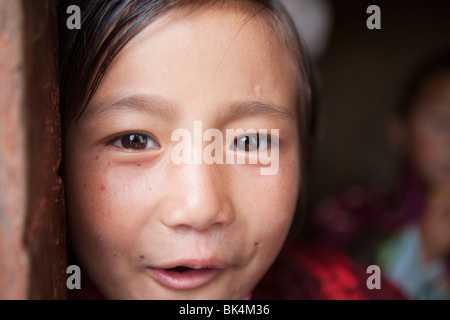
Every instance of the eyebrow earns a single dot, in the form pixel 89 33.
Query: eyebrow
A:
pixel 156 106
pixel 249 109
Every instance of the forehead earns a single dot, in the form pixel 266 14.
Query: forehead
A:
pixel 215 52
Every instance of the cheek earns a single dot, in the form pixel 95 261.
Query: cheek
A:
pixel 268 203
pixel 103 205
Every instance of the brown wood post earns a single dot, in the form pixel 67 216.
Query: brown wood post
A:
pixel 32 223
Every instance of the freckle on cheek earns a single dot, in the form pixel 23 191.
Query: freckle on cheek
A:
pixel 102 188
pixel 96 158
pixel 142 257
pixel 139 165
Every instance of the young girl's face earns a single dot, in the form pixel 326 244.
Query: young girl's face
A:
pixel 133 213
pixel 430 131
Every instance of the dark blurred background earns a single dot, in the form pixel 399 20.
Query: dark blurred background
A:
pixel 363 73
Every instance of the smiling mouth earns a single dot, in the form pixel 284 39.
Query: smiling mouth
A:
pixel 184 277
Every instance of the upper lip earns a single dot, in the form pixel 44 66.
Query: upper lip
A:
pixel 194 264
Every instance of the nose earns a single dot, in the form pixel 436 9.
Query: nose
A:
pixel 198 199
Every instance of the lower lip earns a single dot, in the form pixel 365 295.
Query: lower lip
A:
pixel 184 280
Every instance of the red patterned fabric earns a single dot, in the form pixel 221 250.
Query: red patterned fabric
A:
pixel 315 272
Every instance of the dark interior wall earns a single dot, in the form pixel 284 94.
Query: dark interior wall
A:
pixel 363 73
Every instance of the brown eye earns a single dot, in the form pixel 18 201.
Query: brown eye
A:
pixel 136 142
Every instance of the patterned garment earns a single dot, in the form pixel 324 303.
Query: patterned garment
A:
pixel 315 272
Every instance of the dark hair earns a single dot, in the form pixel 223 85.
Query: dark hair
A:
pixel 435 66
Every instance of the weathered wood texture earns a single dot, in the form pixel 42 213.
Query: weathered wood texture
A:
pixel 32 222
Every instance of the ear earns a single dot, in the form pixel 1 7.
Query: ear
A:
pixel 396 131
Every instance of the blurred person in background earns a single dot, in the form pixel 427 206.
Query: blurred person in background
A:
pixel 407 230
